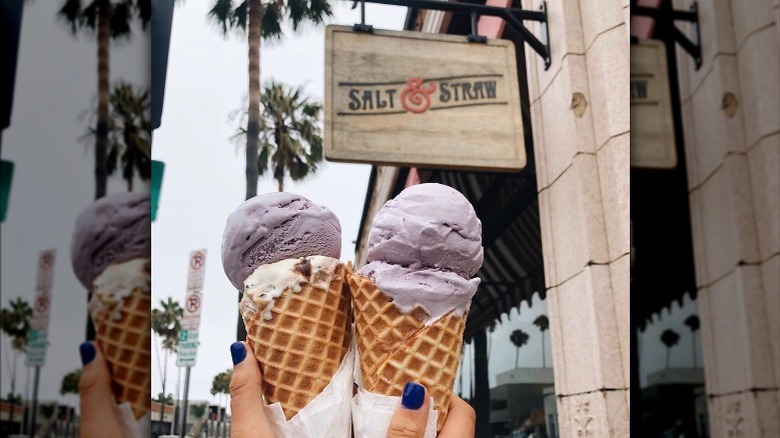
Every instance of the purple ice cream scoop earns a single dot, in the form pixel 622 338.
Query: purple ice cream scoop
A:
pixel 273 227
pixel 423 248
pixel 114 229
pixel 428 226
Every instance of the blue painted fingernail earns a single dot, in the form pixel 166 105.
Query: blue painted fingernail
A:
pixel 413 396
pixel 237 352
pixel 87 351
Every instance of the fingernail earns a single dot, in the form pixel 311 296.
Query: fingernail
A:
pixel 413 396
pixel 237 352
pixel 87 351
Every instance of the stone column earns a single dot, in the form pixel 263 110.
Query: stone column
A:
pixel 580 116
pixel 732 146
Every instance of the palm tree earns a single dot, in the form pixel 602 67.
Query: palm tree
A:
pixel 261 20
pixel 130 133
pixel 290 137
pixel 693 323
pixel 519 338
pixel 490 329
pixel 543 323
pixel 111 19
pixel 15 323
pixel 197 411
pixel 68 386
pixel 669 338
pixel 166 323
pixel 221 385
pixel 165 400
pixel 47 412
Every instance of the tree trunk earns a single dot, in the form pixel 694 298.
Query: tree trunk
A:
pixel 544 358
pixel 693 334
pixel 280 184
pixel 460 377
pixel 481 401
pixel 164 380
pixel 253 123
pixel 667 357
pixel 101 131
pixel 13 385
pixel 517 356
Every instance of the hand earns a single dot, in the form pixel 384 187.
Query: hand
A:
pixel 411 416
pixel 246 396
pixel 97 404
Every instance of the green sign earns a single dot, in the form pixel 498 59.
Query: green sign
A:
pixel 6 175
pixel 37 341
pixel 188 348
pixel 158 167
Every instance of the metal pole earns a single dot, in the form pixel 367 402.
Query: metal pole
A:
pixel 184 412
pixel 35 401
pixel 175 424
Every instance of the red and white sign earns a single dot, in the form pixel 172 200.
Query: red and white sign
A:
pixel 197 270
pixel 193 302
pixel 45 269
pixel 42 302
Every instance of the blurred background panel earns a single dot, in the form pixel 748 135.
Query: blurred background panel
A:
pixel 75 112
pixel 705 184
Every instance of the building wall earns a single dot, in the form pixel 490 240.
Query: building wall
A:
pixel 580 118
pixel 731 118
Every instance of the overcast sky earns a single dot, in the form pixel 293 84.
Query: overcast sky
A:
pixel 203 183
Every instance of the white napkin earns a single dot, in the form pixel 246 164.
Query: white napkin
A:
pixel 141 428
pixel 371 415
pixel 327 416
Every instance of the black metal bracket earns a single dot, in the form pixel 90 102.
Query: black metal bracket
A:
pixel 667 18
pixel 512 16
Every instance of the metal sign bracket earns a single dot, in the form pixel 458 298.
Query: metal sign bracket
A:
pixel 667 18
pixel 512 16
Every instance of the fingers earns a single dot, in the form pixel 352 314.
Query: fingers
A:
pixel 411 416
pixel 246 395
pixel 461 420
pixel 96 400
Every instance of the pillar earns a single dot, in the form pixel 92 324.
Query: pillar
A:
pixel 580 116
pixel 732 146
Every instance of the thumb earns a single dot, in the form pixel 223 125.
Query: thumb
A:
pixel 246 395
pixel 96 398
pixel 411 416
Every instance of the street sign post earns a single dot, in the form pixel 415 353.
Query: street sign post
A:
pixel 37 337
pixel 187 353
pixel 39 324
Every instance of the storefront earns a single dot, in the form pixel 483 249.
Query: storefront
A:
pixel 556 233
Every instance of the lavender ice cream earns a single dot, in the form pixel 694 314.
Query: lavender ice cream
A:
pixel 273 227
pixel 112 230
pixel 423 248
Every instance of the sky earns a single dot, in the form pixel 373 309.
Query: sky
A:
pixel 203 183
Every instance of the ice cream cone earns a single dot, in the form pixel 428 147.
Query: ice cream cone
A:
pixel 299 337
pixel 123 333
pixel 396 347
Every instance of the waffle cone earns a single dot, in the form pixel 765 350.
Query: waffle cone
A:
pixel 303 344
pixel 396 347
pixel 125 343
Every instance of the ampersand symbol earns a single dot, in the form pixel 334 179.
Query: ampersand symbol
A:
pixel 416 99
